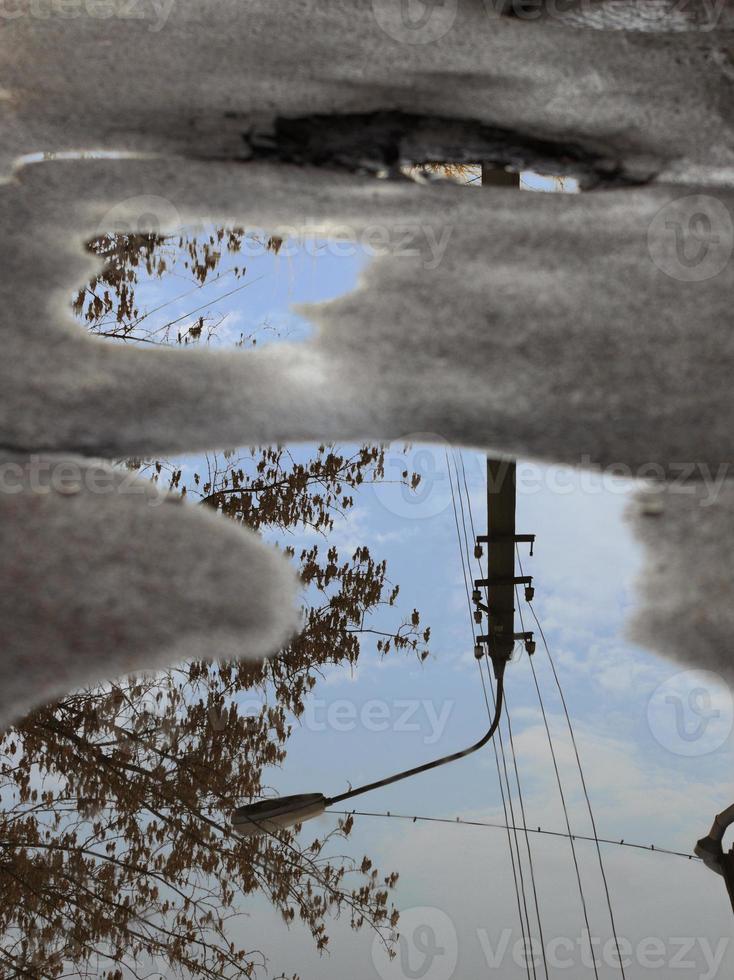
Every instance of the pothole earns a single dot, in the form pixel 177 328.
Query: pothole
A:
pixel 385 142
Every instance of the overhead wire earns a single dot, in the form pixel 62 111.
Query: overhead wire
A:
pixel 516 870
pixel 509 729
pixel 519 876
pixel 215 299
pixel 510 826
pixel 562 795
pixel 527 841
pixel 462 821
pixel 515 831
pixel 143 316
pixel 581 774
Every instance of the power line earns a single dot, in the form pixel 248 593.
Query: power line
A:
pixel 175 299
pixel 565 808
pixel 516 868
pixel 581 774
pixel 527 839
pixel 461 547
pixel 651 848
pixel 184 316
pixel 510 826
pixel 509 729
pixel 216 299
pixel 502 753
pixel 558 778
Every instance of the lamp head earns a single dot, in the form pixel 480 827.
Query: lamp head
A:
pixel 267 816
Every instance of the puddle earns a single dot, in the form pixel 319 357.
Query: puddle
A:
pixel 215 287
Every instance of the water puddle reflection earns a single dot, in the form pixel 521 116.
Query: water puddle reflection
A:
pixel 220 287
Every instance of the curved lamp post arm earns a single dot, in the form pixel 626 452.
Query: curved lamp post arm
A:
pixel 436 762
pixel 268 816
